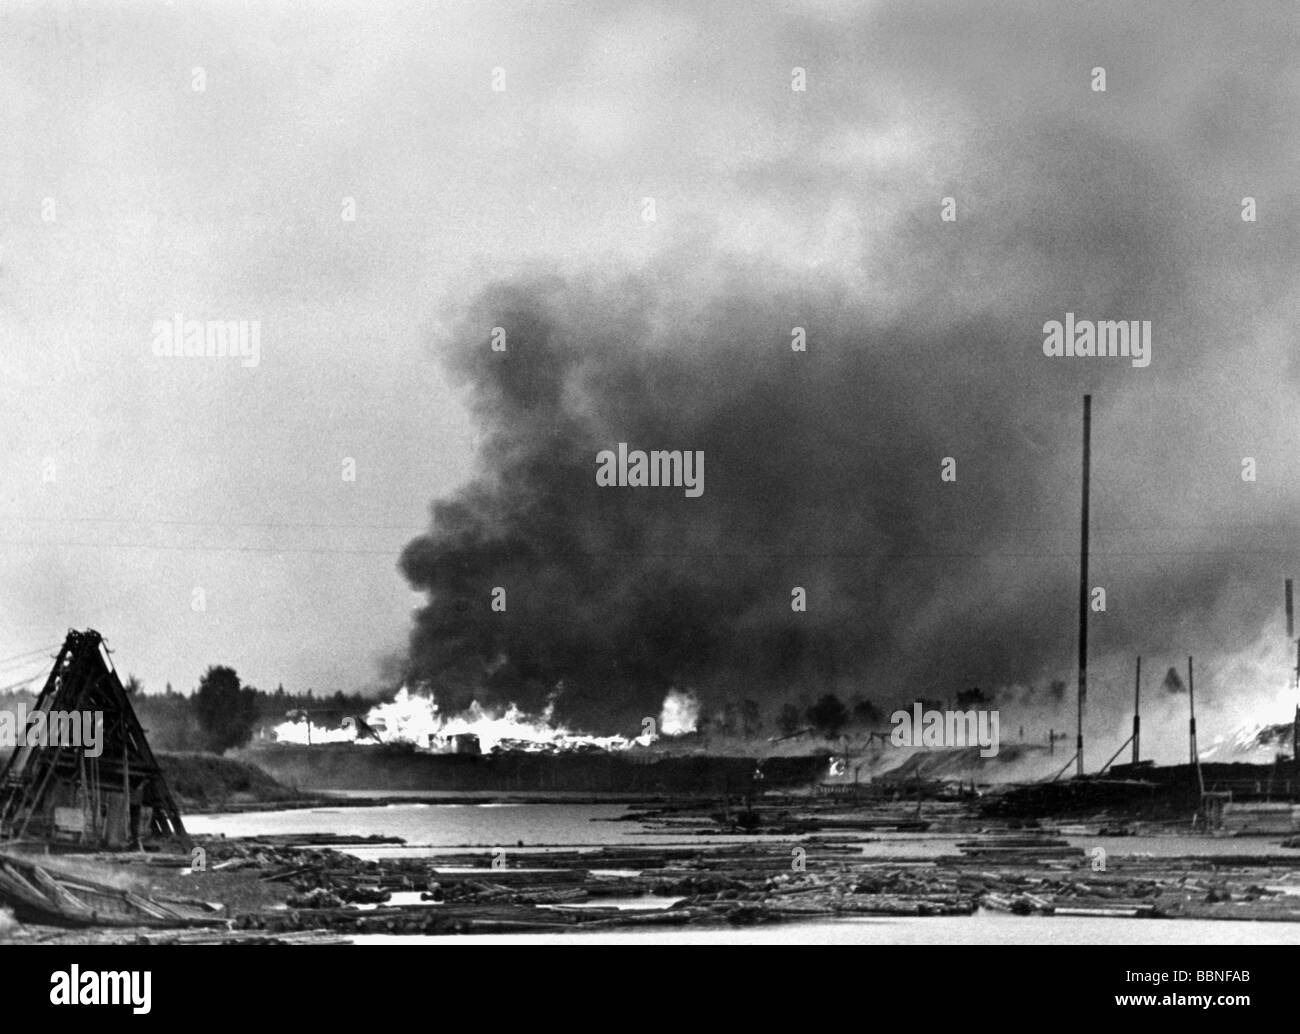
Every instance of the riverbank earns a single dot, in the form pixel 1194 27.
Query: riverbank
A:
pixel 209 782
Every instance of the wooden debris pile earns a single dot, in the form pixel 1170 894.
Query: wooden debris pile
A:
pixel 757 882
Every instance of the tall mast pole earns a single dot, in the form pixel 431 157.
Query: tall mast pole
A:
pixel 1295 679
pixel 1083 576
pixel 1196 757
pixel 1137 704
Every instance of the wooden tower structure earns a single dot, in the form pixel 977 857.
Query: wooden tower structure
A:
pixel 64 785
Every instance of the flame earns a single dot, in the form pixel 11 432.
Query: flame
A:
pixel 415 718
pixel 1256 714
pixel 680 713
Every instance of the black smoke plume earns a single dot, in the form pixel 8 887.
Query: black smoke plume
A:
pixel 823 468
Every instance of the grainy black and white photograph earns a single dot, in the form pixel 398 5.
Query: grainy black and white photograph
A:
pixel 649 472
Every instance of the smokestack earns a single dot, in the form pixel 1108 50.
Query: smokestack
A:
pixel 1290 612
pixel 1137 703
pixel 1083 575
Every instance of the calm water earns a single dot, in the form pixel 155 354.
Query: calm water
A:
pixel 486 825
pixel 440 825
pixel 429 827
pixel 442 828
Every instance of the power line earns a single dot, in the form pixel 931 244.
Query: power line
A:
pixel 414 529
pixel 195 549
pixel 170 523
pixel 22 682
pixel 16 661
pixel 634 555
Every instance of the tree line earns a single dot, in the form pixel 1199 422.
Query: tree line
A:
pixel 221 714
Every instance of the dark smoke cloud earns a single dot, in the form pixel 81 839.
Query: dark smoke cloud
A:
pixel 822 469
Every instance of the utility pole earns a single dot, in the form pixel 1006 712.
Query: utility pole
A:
pixel 1137 704
pixel 1191 700
pixel 1295 680
pixel 1083 577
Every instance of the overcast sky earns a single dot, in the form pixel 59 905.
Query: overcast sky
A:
pixel 128 481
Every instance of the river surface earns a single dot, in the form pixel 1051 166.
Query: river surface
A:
pixel 532 827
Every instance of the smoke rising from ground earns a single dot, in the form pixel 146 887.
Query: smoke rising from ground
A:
pixel 924 342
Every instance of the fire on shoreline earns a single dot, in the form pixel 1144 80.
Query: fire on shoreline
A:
pixel 415 719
